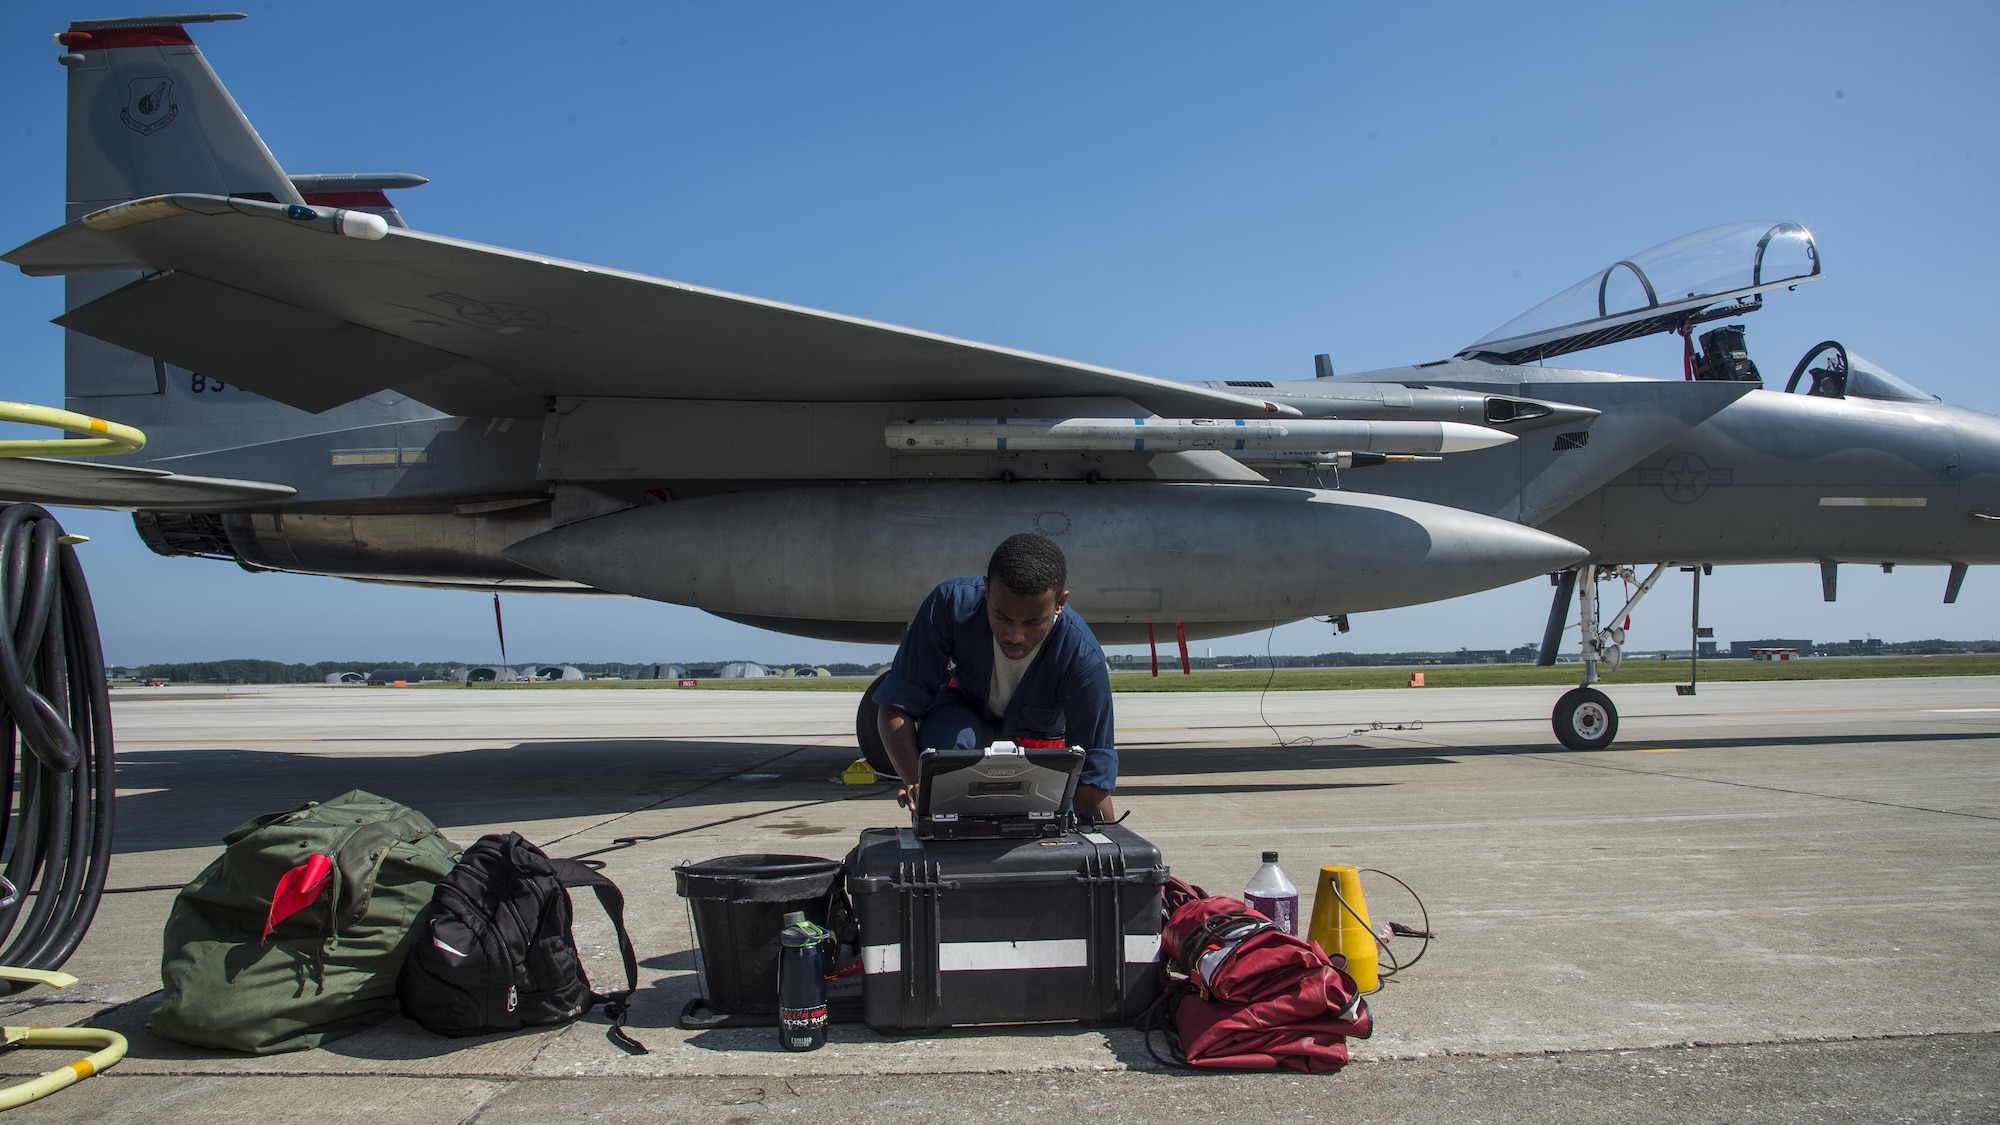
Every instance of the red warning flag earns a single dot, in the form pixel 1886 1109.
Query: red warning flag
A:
pixel 297 889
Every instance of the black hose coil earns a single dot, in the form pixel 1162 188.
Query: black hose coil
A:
pixel 54 705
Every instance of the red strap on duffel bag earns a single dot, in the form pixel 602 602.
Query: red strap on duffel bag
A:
pixel 1252 997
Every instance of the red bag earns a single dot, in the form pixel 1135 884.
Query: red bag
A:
pixel 1255 997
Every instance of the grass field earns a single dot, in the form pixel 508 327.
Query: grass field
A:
pixel 1435 675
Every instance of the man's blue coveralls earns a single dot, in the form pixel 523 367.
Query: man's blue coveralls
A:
pixel 1065 693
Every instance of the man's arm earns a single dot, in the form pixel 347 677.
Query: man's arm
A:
pixel 912 683
pixel 1086 702
pixel 899 737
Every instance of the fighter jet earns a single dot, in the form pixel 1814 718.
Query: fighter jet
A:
pixel 328 391
pixel 331 392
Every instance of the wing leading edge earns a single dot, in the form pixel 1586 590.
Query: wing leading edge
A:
pixel 271 298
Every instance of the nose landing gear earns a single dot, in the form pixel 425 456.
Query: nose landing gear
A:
pixel 1585 718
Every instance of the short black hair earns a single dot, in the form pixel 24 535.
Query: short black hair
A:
pixel 1029 564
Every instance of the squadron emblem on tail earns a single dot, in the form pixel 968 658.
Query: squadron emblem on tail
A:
pixel 149 105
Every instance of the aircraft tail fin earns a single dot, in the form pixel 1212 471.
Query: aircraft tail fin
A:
pixel 147 116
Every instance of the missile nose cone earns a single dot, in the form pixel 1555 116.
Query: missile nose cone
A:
pixel 1461 437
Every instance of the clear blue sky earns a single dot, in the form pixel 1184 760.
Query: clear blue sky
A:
pixel 1192 191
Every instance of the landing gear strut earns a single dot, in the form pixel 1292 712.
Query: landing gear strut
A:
pixel 1585 718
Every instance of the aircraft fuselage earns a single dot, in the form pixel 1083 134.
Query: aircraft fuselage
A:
pixel 1765 477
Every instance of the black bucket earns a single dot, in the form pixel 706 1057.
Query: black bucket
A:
pixel 739 904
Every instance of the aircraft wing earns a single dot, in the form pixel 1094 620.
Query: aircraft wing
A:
pixel 277 301
pixel 88 484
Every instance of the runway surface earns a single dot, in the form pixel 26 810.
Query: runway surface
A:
pixel 1770 902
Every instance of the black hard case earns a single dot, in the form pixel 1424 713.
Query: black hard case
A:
pixel 957 932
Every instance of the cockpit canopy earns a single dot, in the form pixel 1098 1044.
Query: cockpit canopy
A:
pixel 1829 370
pixel 1671 286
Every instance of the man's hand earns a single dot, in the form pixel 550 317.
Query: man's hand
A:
pixel 1093 803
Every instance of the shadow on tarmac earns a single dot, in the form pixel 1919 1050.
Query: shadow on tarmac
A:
pixel 192 798
pixel 187 798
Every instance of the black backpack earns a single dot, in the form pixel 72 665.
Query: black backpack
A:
pixel 496 952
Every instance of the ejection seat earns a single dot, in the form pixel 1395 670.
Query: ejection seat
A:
pixel 1839 373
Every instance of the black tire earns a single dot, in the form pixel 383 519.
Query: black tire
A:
pixel 1585 719
pixel 867 735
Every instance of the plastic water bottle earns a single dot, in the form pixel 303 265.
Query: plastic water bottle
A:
pixel 802 985
pixel 1273 895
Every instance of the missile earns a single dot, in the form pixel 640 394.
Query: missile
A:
pixel 1171 435
pixel 1388 395
pixel 1326 459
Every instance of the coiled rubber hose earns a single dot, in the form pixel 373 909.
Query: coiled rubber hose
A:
pixel 55 728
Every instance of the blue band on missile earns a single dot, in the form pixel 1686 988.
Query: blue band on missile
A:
pixel 1002 445
pixel 1139 443
pixel 1239 443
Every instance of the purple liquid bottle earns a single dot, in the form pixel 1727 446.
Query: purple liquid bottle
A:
pixel 1273 895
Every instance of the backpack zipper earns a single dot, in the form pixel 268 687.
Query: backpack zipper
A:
pixel 513 998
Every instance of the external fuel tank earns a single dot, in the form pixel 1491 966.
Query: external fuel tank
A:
pixel 854 561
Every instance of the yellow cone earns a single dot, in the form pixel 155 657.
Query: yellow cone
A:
pixel 1345 930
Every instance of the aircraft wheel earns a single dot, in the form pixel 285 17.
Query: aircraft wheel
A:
pixel 866 734
pixel 1585 719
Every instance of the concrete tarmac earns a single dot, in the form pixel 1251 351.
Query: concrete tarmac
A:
pixel 1770 902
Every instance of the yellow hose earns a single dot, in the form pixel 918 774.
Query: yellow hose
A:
pixel 99 436
pixel 111 1048
pixel 110 1045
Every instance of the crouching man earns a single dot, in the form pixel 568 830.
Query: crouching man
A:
pixel 1002 657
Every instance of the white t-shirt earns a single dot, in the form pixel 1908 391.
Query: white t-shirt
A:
pixel 1007 675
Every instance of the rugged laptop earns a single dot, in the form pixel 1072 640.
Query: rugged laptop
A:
pixel 1001 790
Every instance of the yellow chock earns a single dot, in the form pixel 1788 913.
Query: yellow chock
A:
pixel 860 773
pixel 1340 924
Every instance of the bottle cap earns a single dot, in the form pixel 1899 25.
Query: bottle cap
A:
pixel 794 917
pixel 1270 857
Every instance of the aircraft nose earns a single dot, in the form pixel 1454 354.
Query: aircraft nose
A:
pixel 1979 487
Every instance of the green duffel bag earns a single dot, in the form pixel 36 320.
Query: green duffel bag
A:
pixel 328 967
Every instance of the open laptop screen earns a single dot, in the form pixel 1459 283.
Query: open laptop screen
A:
pixel 1001 790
